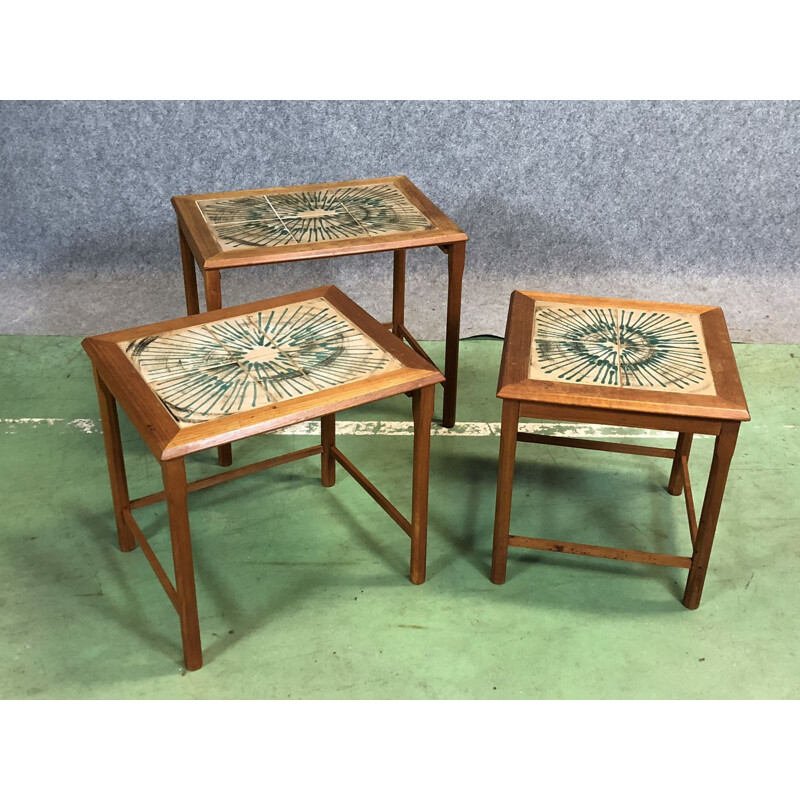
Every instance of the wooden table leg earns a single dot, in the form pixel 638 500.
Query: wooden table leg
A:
pixel 505 486
pixel 328 427
pixel 399 292
pixel 456 254
pixel 675 485
pixel 174 474
pixel 720 463
pixel 116 461
pixel 213 289
pixel 189 275
pixel 422 405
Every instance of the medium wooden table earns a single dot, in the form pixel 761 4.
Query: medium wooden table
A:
pixel 620 362
pixel 198 382
pixel 297 223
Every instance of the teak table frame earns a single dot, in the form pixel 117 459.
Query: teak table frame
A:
pixel 199 245
pixel 119 382
pixel 718 414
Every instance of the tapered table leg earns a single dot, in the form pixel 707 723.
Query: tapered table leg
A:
pixel 189 275
pixel 174 474
pixel 422 405
pixel 675 485
pixel 505 486
pixel 213 289
pixel 399 292
pixel 455 272
pixel 116 461
pixel 328 427
pixel 720 463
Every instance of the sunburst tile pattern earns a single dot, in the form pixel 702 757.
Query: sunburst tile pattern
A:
pixel 630 349
pixel 322 215
pixel 205 372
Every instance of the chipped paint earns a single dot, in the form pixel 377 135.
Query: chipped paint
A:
pixel 384 428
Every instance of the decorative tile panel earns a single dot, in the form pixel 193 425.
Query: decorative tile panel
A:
pixel 205 372
pixel 626 348
pixel 321 215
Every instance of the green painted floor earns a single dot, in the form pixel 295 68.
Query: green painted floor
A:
pixel 303 591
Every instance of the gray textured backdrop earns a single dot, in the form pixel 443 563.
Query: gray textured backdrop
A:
pixel 682 201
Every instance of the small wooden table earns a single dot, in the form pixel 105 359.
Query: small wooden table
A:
pixel 620 362
pixel 198 382
pixel 298 223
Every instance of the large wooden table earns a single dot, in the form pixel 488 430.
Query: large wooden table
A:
pixel 626 363
pixel 296 223
pixel 207 380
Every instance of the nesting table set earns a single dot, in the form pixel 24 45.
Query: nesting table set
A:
pixel 210 379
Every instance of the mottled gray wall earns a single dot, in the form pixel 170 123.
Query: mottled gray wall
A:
pixel 683 201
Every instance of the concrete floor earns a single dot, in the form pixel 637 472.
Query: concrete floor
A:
pixel 303 591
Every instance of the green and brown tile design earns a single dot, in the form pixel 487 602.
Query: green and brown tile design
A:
pixel 625 348
pixel 205 372
pixel 321 215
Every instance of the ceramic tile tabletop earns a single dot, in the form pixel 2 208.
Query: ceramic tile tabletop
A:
pixel 612 346
pixel 319 215
pixel 204 372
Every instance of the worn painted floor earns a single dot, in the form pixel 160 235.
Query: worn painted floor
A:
pixel 303 591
